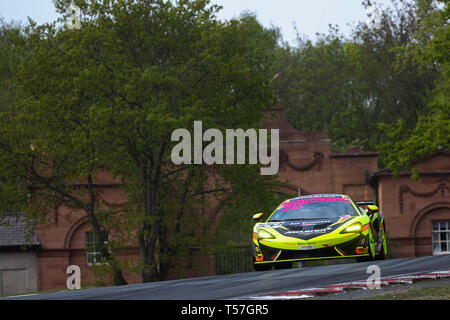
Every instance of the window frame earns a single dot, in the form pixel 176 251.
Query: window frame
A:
pixel 439 232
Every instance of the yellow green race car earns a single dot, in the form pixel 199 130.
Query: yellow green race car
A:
pixel 321 226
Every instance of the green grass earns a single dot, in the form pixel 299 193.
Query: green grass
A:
pixel 425 293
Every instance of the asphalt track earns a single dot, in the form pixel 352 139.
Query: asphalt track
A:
pixel 245 285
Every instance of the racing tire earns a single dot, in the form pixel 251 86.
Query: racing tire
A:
pixel 383 251
pixel 371 251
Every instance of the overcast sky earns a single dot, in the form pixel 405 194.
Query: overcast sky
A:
pixel 310 16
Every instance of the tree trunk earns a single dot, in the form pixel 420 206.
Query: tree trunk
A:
pixel 148 232
pixel 151 225
pixel 118 277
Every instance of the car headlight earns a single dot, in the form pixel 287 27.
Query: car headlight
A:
pixel 263 234
pixel 354 228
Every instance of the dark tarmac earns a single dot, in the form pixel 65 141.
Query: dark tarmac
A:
pixel 252 284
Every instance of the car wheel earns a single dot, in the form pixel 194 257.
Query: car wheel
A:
pixel 371 250
pixel 383 252
pixel 371 247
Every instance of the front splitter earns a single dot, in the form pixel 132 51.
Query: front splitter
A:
pixel 316 258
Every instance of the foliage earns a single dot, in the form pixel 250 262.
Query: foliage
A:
pixel 109 95
pixel 432 130
pixel 47 149
pixel 374 88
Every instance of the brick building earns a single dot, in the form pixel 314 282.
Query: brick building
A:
pixel 18 255
pixel 417 212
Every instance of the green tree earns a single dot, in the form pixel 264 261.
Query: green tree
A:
pixel 162 74
pixel 13 185
pixel 112 92
pixel 432 130
pixel 46 148
pixel 349 86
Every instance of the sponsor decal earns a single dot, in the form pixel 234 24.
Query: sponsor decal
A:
pixel 298 203
pixel 304 247
pixel 308 223
pixel 323 230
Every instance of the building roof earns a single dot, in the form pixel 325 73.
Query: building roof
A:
pixel 425 165
pixel 16 230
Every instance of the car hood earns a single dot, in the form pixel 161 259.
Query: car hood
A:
pixel 307 228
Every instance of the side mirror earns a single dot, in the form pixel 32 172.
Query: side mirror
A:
pixel 257 216
pixel 371 209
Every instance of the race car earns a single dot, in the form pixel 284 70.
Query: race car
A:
pixel 320 226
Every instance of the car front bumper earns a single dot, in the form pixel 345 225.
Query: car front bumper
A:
pixel 271 253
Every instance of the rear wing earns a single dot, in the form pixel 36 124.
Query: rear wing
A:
pixel 365 203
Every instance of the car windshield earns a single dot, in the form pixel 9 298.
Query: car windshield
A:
pixel 314 208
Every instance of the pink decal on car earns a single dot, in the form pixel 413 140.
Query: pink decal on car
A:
pixel 297 204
